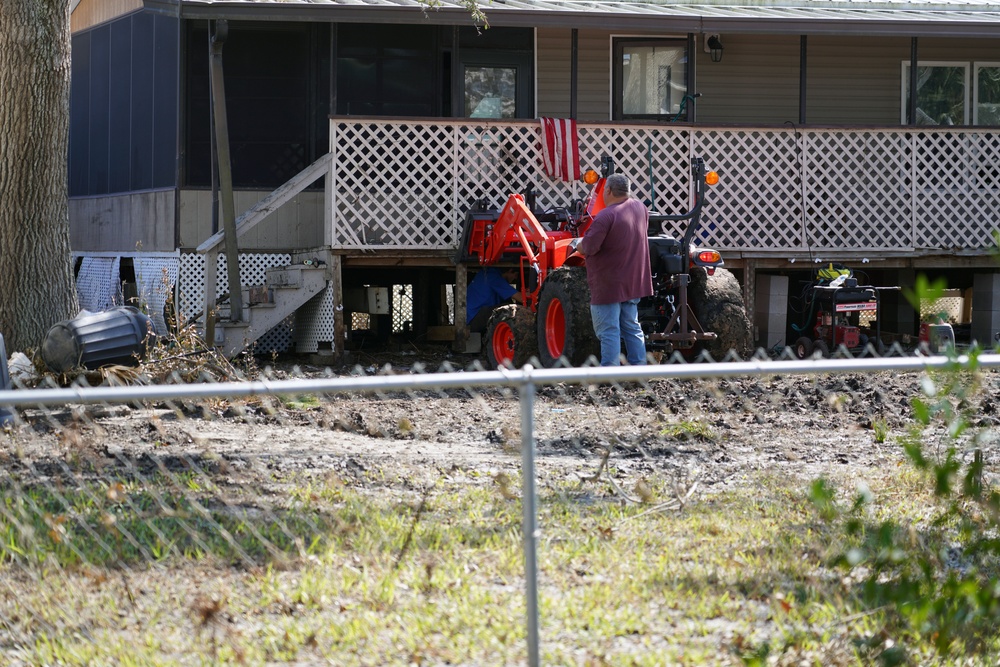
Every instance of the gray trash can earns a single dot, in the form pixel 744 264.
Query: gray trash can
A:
pixel 116 336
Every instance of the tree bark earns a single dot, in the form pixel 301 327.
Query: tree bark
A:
pixel 36 274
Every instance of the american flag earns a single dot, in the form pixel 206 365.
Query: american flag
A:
pixel 560 154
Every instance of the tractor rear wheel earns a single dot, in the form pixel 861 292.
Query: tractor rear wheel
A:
pixel 510 339
pixel 717 301
pixel 565 328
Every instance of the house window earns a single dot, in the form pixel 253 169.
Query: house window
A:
pixel 986 104
pixel 942 93
pixel 650 78
pixel 490 92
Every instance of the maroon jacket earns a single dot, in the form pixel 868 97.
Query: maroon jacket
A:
pixel 617 251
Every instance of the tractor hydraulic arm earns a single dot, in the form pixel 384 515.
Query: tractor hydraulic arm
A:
pixel 516 230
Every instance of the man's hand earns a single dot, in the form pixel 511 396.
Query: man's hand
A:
pixel 574 243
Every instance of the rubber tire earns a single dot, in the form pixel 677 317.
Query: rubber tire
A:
pixel 823 349
pixel 717 302
pixel 511 339
pixel 565 327
pixel 803 348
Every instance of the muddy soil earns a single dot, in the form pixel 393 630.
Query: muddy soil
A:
pixel 715 432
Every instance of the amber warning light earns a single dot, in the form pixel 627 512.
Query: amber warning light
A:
pixel 712 177
pixel 709 257
pixel 590 177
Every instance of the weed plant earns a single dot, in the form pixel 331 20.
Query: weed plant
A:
pixel 934 580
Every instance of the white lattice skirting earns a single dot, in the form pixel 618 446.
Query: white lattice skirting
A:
pixel 99 288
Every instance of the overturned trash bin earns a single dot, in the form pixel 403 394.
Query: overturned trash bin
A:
pixel 116 336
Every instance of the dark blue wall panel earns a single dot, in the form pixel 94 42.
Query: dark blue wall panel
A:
pixel 142 101
pixel 79 116
pixel 165 106
pixel 100 58
pixel 123 106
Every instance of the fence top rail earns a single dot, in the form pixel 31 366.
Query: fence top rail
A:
pixel 500 378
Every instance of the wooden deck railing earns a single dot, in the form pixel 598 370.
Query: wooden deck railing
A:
pixel 406 184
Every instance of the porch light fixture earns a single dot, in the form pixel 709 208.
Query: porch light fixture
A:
pixel 714 46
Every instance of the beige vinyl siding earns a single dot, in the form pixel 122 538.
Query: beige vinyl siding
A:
pixel 757 80
pixel 594 85
pixel 851 80
pixel 95 12
pixel 854 80
pixel 553 55
pixel 296 225
pixel 593 74
pixel 123 223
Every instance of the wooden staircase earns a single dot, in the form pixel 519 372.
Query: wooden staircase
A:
pixel 286 289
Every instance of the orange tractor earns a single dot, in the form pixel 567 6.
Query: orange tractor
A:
pixel 553 322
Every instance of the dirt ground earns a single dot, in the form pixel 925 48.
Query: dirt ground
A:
pixel 717 432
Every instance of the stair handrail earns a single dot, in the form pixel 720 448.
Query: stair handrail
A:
pixel 247 221
pixel 271 203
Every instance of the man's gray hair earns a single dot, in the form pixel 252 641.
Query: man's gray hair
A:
pixel 618 184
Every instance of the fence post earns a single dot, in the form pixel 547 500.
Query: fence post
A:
pixel 529 504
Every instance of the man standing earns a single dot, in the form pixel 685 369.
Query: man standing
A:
pixel 618 273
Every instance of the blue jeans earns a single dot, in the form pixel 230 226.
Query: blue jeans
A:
pixel 614 322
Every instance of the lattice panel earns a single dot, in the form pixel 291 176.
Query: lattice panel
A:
pixel 402 307
pixel 98 283
pixel 155 279
pixel 498 160
pixel 758 200
pixel 253 267
pixel 633 149
pixel 408 185
pixel 314 323
pixel 957 189
pixel 394 185
pixel 856 198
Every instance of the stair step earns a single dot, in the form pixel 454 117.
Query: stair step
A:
pixel 287 288
pixel 289 276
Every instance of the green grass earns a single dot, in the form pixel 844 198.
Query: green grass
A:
pixel 336 573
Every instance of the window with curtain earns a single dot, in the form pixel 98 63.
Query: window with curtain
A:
pixel 650 78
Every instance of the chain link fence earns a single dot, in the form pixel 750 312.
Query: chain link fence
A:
pixel 415 515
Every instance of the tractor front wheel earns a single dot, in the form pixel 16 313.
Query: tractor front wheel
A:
pixel 510 337
pixel 565 328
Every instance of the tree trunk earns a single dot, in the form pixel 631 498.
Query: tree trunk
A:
pixel 36 276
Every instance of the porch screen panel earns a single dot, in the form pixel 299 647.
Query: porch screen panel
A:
pixel 858 189
pixel 120 111
pixel 165 107
pixel 757 203
pixel 79 116
pixel 276 101
pixel 383 70
pixel 957 188
pixel 143 127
